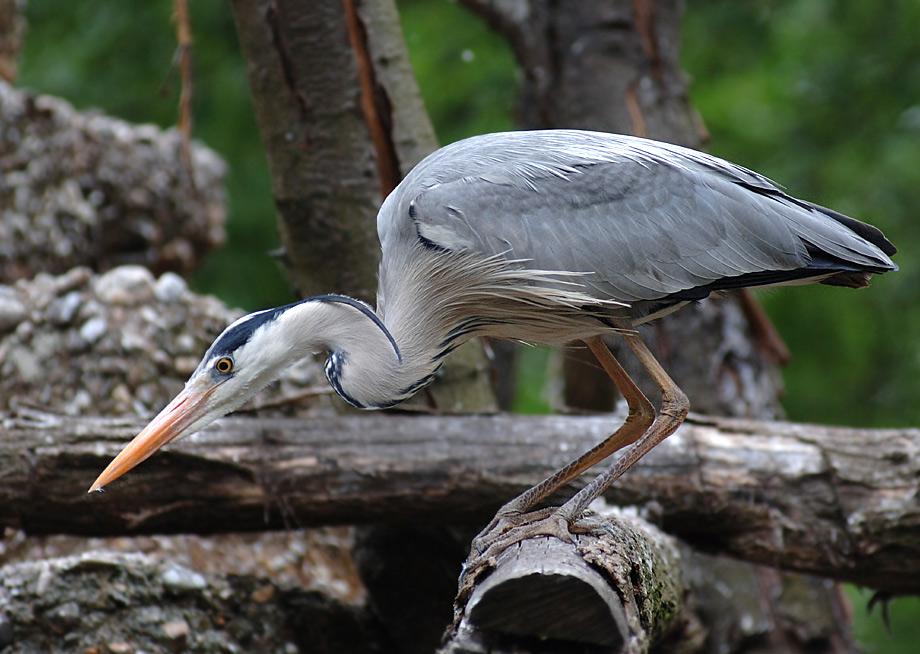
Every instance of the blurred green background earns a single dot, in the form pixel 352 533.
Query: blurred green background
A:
pixel 820 95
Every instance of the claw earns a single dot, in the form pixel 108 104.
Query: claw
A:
pixel 506 530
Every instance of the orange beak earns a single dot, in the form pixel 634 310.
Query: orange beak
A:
pixel 180 414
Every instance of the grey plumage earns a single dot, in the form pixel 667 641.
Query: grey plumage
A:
pixel 645 220
pixel 590 232
pixel 544 237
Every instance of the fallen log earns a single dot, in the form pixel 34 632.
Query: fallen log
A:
pixel 833 502
pixel 619 590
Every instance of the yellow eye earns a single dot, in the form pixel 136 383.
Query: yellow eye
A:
pixel 224 365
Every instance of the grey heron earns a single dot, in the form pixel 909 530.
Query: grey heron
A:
pixel 544 237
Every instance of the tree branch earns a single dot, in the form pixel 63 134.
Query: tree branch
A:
pixel 833 502
pixel 620 589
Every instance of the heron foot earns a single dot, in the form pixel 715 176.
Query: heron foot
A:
pixel 508 528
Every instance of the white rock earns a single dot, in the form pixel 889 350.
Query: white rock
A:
pixel 126 285
pixel 12 310
pixel 170 287
pixel 93 329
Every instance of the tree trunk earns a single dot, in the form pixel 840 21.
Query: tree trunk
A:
pixel 308 68
pixel 614 66
pixel 12 27
pixel 342 122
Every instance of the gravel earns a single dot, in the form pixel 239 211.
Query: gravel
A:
pixel 81 188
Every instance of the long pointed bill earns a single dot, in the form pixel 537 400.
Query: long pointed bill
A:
pixel 185 409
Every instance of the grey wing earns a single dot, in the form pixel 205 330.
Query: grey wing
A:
pixel 636 230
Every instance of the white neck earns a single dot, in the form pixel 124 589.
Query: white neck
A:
pixel 366 364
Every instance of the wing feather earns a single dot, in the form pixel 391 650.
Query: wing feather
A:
pixel 632 219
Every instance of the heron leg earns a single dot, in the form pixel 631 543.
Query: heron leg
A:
pixel 641 416
pixel 674 408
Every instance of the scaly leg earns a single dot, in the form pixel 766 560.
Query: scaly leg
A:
pixel 515 513
pixel 674 408
pixel 511 525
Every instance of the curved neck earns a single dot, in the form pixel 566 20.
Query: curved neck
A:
pixel 366 365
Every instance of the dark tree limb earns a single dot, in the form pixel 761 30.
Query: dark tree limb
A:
pixel 306 91
pixel 12 28
pixel 833 502
pixel 619 589
pixel 608 66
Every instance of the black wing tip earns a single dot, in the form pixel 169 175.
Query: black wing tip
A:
pixel 858 278
pixel 869 232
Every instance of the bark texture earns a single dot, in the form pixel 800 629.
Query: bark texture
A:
pixel 833 502
pixel 341 121
pixel 12 28
pixel 619 589
pixel 611 66
pixel 164 602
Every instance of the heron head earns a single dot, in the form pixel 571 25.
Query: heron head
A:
pixel 255 350
pixel 242 360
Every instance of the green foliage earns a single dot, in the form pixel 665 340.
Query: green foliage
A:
pixel 531 372
pixel 822 96
pixel 466 72
pixel 899 636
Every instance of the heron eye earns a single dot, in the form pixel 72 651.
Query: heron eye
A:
pixel 224 365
